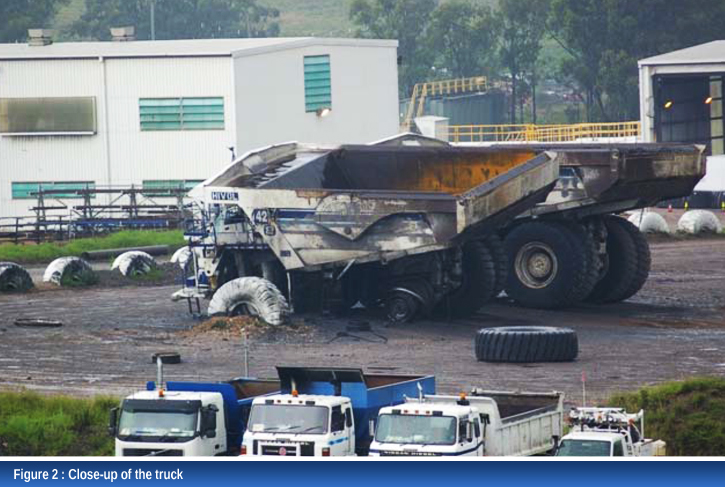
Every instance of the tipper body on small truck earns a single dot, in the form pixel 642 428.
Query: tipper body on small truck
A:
pixel 608 432
pixel 479 424
pixel 186 418
pixel 413 225
pixel 324 411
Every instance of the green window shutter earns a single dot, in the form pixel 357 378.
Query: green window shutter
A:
pixel 182 113
pixel 24 191
pixel 318 87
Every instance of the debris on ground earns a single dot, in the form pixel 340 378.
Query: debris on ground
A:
pixel 237 326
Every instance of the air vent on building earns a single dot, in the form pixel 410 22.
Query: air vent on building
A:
pixel 123 34
pixel 40 37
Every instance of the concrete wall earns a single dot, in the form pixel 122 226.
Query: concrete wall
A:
pixel 270 95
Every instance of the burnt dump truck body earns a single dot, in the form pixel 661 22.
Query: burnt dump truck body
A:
pixel 363 224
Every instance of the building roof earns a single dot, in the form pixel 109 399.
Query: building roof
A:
pixel 709 53
pixel 175 48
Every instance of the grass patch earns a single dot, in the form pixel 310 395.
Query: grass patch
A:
pixel 37 425
pixel 152 275
pixel 688 415
pixel 85 278
pixel 46 252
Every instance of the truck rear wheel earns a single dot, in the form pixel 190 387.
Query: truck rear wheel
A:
pixel 250 296
pixel 548 265
pixel 526 344
pixel 479 281
pixel 498 252
pixel 629 263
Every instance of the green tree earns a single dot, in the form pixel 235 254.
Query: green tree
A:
pixel 463 36
pixel 17 16
pixel 605 38
pixel 404 20
pixel 178 19
pixel 522 33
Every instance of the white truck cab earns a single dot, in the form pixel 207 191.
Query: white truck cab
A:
pixel 170 423
pixel 607 432
pixel 300 425
pixel 429 429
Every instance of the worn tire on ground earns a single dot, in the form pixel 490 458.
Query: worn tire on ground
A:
pixel 14 278
pixel 526 344
pixel 548 265
pixel 69 270
pixel 479 281
pixel 629 263
pixel 251 296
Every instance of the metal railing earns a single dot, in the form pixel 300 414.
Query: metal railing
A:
pixel 543 133
pixel 421 91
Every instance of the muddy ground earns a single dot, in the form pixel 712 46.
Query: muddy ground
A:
pixel 675 328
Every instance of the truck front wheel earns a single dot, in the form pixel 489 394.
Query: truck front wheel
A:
pixel 547 265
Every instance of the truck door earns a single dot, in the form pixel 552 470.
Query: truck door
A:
pixel 339 437
pixel 478 437
pixel 466 438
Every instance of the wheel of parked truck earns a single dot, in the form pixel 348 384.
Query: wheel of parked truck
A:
pixel 548 263
pixel 589 276
pixel 629 263
pixel 408 299
pixel 526 344
pixel 250 296
pixel 494 244
pixel 478 283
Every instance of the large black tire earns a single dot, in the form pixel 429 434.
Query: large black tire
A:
pixel 589 276
pixel 14 278
pixel 479 281
pixel 500 262
pixel 644 257
pixel 526 344
pixel 251 296
pixel 549 265
pixel 629 263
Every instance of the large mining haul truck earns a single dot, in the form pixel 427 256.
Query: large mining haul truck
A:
pixel 415 226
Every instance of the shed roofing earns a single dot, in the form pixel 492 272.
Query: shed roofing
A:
pixel 709 53
pixel 175 48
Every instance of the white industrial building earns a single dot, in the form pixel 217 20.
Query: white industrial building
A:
pixel 156 113
pixel 681 100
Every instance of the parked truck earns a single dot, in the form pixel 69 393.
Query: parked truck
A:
pixel 608 432
pixel 186 418
pixel 413 225
pixel 482 423
pixel 324 411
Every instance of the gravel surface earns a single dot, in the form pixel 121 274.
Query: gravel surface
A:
pixel 675 328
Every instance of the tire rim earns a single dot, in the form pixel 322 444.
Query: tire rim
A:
pixel 536 265
pixel 401 308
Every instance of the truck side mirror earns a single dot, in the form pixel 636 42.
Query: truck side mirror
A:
pixel 113 422
pixel 208 421
pixel 371 428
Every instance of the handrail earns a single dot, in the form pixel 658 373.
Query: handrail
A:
pixel 439 88
pixel 542 133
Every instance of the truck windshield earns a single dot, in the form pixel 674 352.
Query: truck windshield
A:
pixel 278 418
pixel 416 430
pixel 150 421
pixel 583 448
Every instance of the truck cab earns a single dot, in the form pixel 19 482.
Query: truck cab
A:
pixel 300 425
pixel 607 432
pixel 171 424
pixel 420 429
pixel 324 411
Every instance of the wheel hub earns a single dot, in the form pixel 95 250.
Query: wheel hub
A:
pixel 536 265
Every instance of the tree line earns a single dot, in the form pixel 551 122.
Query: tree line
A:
pixel 598 42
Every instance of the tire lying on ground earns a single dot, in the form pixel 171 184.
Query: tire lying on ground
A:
pixel 250 296
pixel 699 221
pixel 550 264
pixel 526 344
pixel 479 281
pixel 69 270
pixel 649 222
pixel 134 263
pixel 629 263
pixel 14 278
pixel 182 257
